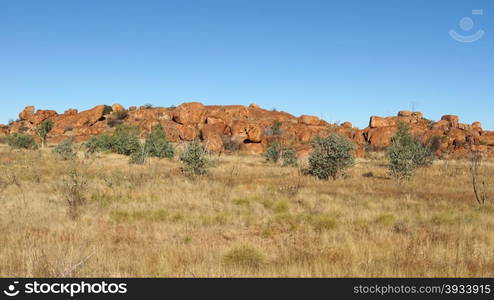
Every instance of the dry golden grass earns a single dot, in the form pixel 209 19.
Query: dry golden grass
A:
pixel 246 218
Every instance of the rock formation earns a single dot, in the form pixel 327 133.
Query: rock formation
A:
pixel 253 128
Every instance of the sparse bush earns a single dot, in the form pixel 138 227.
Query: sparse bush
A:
pixel 157 144
pixel 230 143
pixel 149 106
pixel 107 110
pixel 482 182
pixel 244 256
pixel 274 129
pixel 331 156
pixel 273 153
pixel 117 118
pixel 407 153
pixel 289 157
pixel 125 140
pixel 139 157
pixel 65 150
pixel 194 159
pixel 73 188
pixel 435 143
pixel 99 143
pixel 21 141
pixel 43 129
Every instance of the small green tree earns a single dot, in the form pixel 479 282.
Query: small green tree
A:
pixel 65 150
pixel 194 160
pixel 273 153
pixel 43 129
pixel 157 144
pixel 99 143
pixel 331 156
pixel 125 140
pixel 289 157
pixel 407 153
pixel 21 141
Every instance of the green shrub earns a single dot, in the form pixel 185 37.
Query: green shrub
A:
pixel 139 157
pixel 435 143
pixel 331 156
pixel 65 150
pixel 273 153
pixel 244 256
pixel 21 141
pixel 231 143
pixel 107 110
pixel 289 157
pixel 194 159
pixel 407 153
pixel 125 139
pixel 117 118
pixel 157 144
pixel 99 143
pixel 43 129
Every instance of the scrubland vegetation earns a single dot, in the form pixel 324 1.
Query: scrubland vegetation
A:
pixel 98 215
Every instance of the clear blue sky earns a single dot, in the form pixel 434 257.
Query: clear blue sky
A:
pixel 342 60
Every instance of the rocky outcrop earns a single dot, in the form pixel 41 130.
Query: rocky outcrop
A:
pixel 450 138
pixel 252 128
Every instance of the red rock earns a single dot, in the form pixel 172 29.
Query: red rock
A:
pixel 42 115
pixel 71 112
pixel 211 137
pixel 347 125
pixel 117 107
pixel 239 129
pixel 187 133
pixel 381 137
pixel 248 127
pixel 255 133
pixel 27 113
pixel 487 139
pixel 452 120
pixel 132 108
pixel 79 121
pixel 309 120
pixel 377 122
pixel 441 125
pixel 405 113
pixel 477 125
pixel 189 113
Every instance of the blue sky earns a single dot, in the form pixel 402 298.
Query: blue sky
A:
pixel 342 60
